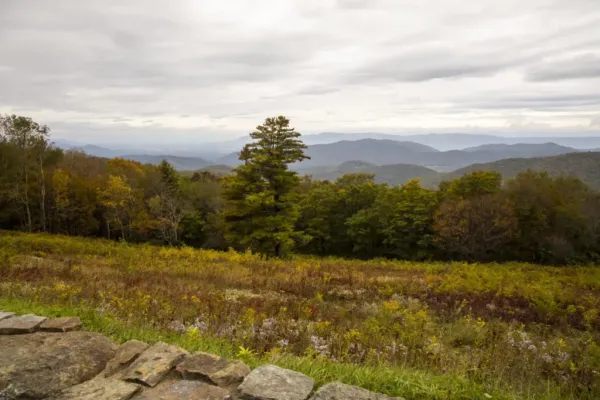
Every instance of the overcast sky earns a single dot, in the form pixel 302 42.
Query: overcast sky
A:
pixel 204 70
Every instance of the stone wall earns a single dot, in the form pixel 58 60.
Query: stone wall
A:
pixel 43 358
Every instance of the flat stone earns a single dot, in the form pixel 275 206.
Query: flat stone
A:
pixel 63 324
pixel 341 391
pixel 270 382
pixel 214 369
pixel 23 324
pixel 126 354
pixel 100 389
pixel 43 364
pixel 5 315
pixel 184 390
pixel 154 364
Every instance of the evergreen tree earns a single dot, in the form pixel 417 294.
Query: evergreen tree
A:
pixel 261 195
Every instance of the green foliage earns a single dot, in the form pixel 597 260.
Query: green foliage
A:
pixel 265 207
pixel 261 210
pixel 477 183
pixel 475 229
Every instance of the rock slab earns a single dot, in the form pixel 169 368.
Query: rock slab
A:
pixel 154 364
pixel 214 369
pixel 100 389
pixel 5 315
pixel 341 391
pixel 270 382
pixel 126 354
pixel 184 390
pixel 40 365
pixel 23 324
pixel 63 324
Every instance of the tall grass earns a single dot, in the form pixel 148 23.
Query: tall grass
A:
pixel 420 330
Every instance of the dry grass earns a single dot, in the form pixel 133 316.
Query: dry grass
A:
pixel 530 329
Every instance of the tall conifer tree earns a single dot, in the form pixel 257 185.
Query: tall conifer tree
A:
pixel 261 198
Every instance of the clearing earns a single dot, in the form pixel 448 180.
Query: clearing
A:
pixel 419 330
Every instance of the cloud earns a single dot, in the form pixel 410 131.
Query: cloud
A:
pixel 202 71
pixel 576 67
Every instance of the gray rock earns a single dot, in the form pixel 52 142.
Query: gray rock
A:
pixel 39 365
pixel 154 364
pixel 126 354
pixel 341 391
pixel 23 324
pixel 270 382
pixel 100 389
pixel 5 315
pixel 214 369
pixel 184 390
pixel 63 324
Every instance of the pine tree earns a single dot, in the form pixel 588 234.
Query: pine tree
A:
pixel 261 195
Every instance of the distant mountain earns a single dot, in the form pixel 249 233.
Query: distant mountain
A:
pixel 378 152
pixel 524 149
pixel 231 160
pixel 453 159
pixel 584 165
pixel 389 152
pixel 397 174
pixel 179 163
pixel 457 141
pixel 90 149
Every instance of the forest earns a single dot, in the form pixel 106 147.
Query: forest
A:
pixel 266 208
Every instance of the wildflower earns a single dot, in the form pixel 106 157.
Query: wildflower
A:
pixel 562 356
pixel 490 306
pixel 283 343
pixel 511 341
pixel 532 348
pixel 320 344
pixel 177 326
pixel 547 358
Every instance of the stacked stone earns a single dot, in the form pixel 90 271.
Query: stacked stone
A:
pixel 43 358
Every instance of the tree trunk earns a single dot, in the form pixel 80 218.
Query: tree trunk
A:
pixel 27 209
pixel 43 196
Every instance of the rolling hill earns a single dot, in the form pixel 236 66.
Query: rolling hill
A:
pixel 457 141
pixel 396 174
pixel 390 152
pixel 584 165
pixel 179 163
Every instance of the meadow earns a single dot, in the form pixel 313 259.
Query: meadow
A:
pixel 418 330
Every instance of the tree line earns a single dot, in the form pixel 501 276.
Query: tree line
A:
pixel 265 207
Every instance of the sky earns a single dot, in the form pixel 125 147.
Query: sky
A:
pixel 192 70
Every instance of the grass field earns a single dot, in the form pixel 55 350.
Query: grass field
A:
pixel 419 330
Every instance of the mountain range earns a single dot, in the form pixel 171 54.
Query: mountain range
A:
pixel 584 165
pixel 386 152
pixel 442 142
pixel 395 161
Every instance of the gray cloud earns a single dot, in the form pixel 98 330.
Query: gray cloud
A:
pixel 578 67
pixel 206 69
pixel 541 103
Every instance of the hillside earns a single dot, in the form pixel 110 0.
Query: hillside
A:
pixel 396 174
pixel 523 149
pixel 584 165
pixel 179 163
